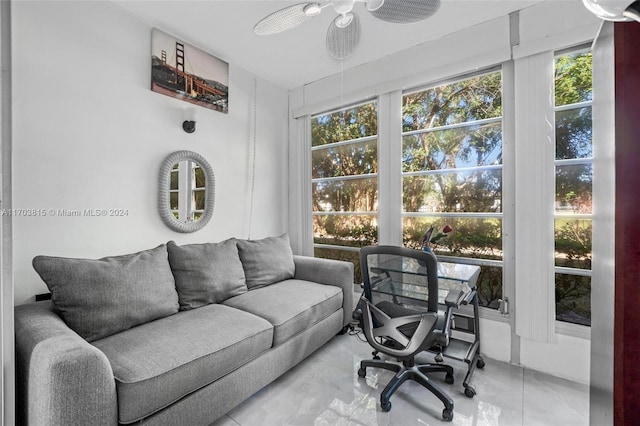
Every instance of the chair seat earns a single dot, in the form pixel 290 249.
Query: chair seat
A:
pixel 395 310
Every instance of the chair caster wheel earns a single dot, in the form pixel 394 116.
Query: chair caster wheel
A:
pixel 469 392
pixel 439 359
pixel 480 363
pixel 447 415
pixel 449 379
pixel 376 357
pixel 362 372
pixel 386 406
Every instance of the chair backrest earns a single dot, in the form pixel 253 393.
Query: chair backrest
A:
pixel 401 274
pixel 400 301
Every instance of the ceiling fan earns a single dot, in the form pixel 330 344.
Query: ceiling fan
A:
pixel 343 34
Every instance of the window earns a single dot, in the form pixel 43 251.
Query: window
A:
pixel 574 176
pixel 174 191
pixel 199 191
pixel 452 173
pixel 187 191
pixel 344 163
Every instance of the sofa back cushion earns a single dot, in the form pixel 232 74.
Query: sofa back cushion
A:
pixel 98 298
pixel 206 273
pixel 266 261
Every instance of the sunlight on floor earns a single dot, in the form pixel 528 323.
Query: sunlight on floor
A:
pixel 325 390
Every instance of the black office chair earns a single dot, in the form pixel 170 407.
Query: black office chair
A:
pixel 399 314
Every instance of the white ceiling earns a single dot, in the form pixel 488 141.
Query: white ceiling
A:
pixel 298 56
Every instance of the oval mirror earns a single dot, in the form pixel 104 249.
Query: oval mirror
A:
pixel 186 191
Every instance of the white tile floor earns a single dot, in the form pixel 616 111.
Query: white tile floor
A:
pixel 325 390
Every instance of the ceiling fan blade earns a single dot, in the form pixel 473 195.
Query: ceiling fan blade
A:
pixel 406 11
pixel 283 19
pixel 374 5
pixel 343 40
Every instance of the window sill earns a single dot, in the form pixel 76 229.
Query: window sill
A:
pixel 485 313
pixel 573 330
pixel 564 328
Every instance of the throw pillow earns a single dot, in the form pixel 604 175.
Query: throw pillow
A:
pixel 98 298
pixel 206 273
pixel 266 261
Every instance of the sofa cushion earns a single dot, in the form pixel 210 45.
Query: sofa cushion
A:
pixel 97 298
pixel 158 363
pixel 291 306
pixel 266 261
pixel 206 273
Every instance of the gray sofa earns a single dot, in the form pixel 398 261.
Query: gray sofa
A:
pixel 216 341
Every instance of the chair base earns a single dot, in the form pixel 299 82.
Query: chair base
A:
pixel 408 370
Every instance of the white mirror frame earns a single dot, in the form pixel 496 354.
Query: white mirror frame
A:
pixel 164 183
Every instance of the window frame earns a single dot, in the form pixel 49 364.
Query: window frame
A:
pixel 390 180
pixel 486 312
pixel 195 188
pixel 374 214
pixel 187 188
pixel 566 327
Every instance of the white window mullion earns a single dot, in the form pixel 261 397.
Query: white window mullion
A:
pixel 534 198
pixel 389 169
pixel 345 178
pixel 508 203
pixel 344 143
pixel 464 124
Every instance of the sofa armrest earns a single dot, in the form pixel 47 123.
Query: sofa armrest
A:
pixel 330 272
pixel 61 379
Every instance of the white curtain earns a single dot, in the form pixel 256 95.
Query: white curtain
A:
pixel 300 220
pixel 534 198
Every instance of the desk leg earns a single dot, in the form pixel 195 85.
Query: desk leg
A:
pixel 474 359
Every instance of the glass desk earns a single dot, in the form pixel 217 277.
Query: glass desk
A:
pixel 453 279
pixel 456 287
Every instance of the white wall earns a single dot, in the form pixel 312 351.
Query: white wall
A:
pixel 568 357
pixel 90 134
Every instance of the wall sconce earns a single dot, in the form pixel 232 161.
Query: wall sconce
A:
pixel 189 124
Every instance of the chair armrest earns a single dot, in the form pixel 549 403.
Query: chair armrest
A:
pixel 330 272
pixel 61 379
pixel 453 298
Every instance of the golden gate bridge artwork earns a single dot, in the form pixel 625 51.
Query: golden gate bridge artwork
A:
pixel 188 73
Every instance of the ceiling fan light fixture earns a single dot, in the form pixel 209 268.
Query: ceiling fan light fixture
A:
pixel 344 21
pixel 614 10
pixel 312 9
pixel 343 35
pixel 343 6
pixel 633 11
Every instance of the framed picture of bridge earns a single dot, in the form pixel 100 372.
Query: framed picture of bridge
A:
pixel 185 72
